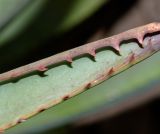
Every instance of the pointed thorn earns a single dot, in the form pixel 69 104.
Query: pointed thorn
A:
pixel 92 52
pixel 41 110
pixel 21 120
pixel 88 85
pixel 132 58
pixel 42 68
pixel 140 40
pixel 111 71
pixel 65 98
pixel 117 48
pixel 69 59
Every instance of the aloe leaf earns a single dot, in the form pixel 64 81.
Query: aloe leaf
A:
pixel 108 95
pixel 39 88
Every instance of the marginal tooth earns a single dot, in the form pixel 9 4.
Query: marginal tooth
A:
pixel 21 120
pixel 69 59
pixel 42 68
pixel 140 39
pixel 88 85
pixel 41 110
pixel 116 46
pixel 132 58
pixel 92 52
pixel 111 71
pixel 66 97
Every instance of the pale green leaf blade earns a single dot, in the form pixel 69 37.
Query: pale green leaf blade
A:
pixel 47 82
pixel 101 96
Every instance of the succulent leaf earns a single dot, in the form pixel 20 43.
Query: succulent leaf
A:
pixel 30 92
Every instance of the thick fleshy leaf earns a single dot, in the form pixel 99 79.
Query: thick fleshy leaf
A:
pixel 35 92
pixel 109 95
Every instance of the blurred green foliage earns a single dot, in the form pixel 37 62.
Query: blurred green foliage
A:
pixel 36 21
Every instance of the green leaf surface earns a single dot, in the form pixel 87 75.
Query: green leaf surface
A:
pixel 34 93
pixel 127 83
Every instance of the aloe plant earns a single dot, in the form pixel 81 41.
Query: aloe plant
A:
pixel 50 81
pixel 112 95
